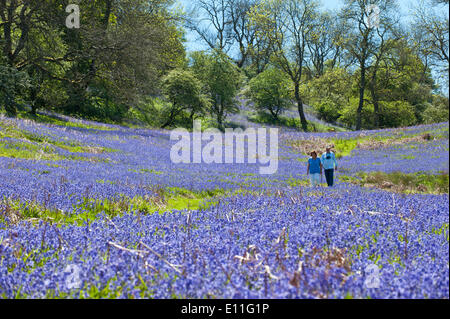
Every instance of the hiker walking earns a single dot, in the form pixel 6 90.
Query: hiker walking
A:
pixel 329 164
pixel 314 169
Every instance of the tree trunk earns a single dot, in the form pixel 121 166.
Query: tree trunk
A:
pixel 171 117
pixel 191 117
pixel 168 122
pixel 375 106
pixel 361 97
pixel 34 102
pixel 10 106
pixel 220 119
pixel 301 113
pixel 108 11
pixel 273 113
pixel 92 73
pixel 241 61
pixel 33 109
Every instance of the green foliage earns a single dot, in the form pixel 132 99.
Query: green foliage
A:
pixel 392 114
pixel 320 128
pixel 111 69
pixel 98 71
pixel 265 118
pixel 221 79
pixel 166 200
pixel 184 91
pixel 344 147
pixel 328 110
pixel 270 91
pixel 287 25
pixel 348 114
pixel 12 83
pixel 330 93
pixel 16 143
pixel 397 114
pixel 150 111
pixel 438 111
pixel 402 76
pixel 95 106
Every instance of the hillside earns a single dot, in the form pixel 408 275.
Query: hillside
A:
pixel 107 201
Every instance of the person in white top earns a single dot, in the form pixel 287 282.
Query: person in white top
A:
pixel 329 163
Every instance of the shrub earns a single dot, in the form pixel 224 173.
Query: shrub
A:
pixel 396 114
pixel 269 91
pixel 437 111
pixel 184 91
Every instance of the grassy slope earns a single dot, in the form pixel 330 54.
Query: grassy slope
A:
pixel 22 144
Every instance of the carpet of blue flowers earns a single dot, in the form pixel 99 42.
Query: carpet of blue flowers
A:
pixel 266 237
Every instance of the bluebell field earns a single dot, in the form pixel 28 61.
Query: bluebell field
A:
pixel 268 237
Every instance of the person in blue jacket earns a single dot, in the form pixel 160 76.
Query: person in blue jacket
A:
pixel 329 165
pixel 314 169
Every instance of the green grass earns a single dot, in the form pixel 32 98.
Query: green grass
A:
pixel 17 143
pixel 296 182
pixel 146 170
pixel 28 151
pixel 344 147
pixel 165 200
pixel 46 119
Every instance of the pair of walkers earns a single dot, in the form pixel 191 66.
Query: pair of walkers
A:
pixel 327 162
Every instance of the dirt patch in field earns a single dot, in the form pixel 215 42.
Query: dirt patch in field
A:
pixel 94 149
pixel 320 144
pixel 398 182
pixel 313 144
pixel 377 144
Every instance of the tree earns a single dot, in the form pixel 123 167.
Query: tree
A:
pixel 378 55
pixel 17 19
pixel 270 91
pixel 287 25
pixel 221 79
pixel 184 91
pixel 217 31
pixel 401 76
pixel 259 55
pixel 244 35
pixel 323 45
pixel 121 48
pixel 397 114
pixel 12 82
pixel 437 111
pixel 224 25
pixel 330 93
pixel 19 22
pixel 361 38
pixel 104 66
pixel 431 35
